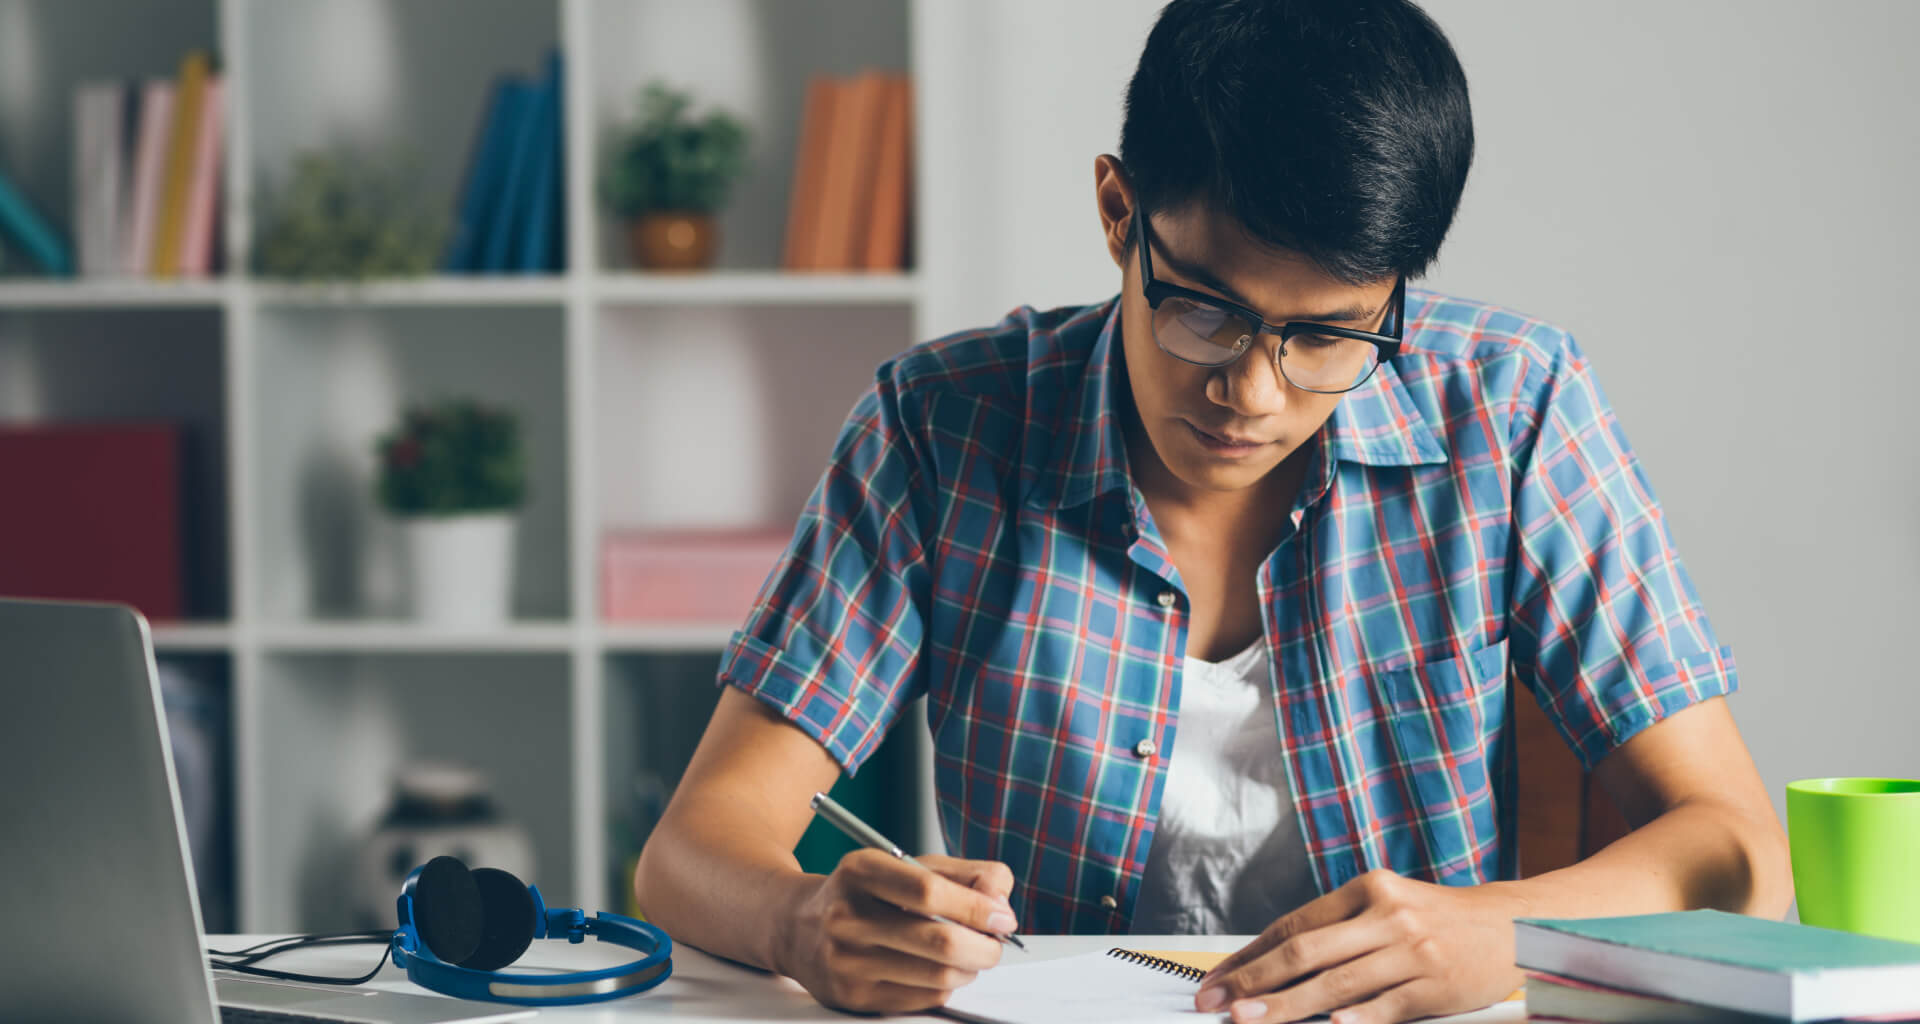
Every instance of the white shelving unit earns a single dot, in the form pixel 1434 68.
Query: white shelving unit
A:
pixel 648 400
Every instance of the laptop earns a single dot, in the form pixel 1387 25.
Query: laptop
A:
pixel 101 919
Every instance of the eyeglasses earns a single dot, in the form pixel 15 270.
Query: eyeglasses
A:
pixel 1197 328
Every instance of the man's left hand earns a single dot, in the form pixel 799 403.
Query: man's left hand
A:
pixel 1378 950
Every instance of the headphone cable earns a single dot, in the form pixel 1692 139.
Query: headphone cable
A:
pixel 255 953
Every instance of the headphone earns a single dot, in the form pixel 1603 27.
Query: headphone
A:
pixel 459 927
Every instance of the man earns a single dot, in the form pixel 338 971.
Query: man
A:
pixel 1217 591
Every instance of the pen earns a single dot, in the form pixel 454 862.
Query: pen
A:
pixel 866 835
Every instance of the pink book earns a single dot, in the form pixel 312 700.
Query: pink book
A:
pixel 149 165
pixel 203 194
pixel 698 576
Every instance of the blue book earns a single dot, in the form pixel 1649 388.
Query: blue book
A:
pixel 1790 971
pixel 508 209
pixel 42 245
pixel 483 164
pixel 542 207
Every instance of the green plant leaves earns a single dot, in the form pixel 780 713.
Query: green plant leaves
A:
pixel 665 160
pixel 341 215
pixel 452 457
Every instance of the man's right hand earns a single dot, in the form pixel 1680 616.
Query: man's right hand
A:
pixel 862 939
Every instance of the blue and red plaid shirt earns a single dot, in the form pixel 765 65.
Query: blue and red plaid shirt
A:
pixel 1471 515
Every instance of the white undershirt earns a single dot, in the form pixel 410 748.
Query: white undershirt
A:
pixel 1227 856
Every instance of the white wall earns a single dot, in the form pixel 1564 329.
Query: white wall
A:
pixel 1712 195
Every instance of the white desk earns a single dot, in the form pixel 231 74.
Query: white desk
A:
pixel 706 988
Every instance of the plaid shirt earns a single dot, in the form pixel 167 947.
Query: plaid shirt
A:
pixel 1472 515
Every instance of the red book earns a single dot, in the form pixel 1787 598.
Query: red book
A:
pixel 92 512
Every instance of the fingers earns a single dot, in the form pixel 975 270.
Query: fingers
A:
pixel 1297 958
pixel 942 943
pixel 988 876
pixel 928 893
pixel 1364 981
pixel 1343 903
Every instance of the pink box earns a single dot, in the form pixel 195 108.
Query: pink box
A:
pixel 705 576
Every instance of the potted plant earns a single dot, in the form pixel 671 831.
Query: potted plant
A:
pixel 455 475
pixel 666 175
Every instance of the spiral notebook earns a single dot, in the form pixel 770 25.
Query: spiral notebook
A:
pixel 1119 986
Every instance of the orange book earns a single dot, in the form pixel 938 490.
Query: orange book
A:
pixel 190 97
pixel 885 246
pixel 803 204
pixel 849 172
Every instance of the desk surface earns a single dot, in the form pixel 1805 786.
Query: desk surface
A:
pixel 707 988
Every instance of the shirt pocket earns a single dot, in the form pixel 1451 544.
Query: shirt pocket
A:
pixel 1442 719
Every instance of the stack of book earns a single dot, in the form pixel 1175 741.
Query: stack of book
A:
pixel 1709 967
pixel 146 180
pixel 849 207
pixel 510 217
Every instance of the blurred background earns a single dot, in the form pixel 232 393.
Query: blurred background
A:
pixel 442 376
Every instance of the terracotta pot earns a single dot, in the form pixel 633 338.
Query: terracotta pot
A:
pixel 671 240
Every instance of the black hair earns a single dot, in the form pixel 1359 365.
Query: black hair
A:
pixel 1336 129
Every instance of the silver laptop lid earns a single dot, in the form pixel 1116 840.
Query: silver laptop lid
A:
pixel 101 921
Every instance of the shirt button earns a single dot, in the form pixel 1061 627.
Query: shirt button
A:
pixel 1109 902
pixel 1167 598
pixel 1145 749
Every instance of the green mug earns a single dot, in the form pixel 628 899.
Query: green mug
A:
pixel 1856 854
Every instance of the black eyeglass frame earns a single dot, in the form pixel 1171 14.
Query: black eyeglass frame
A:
pixel 1157 292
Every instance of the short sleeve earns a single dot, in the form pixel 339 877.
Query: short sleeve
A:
pixel 834 640
pixel 1604 623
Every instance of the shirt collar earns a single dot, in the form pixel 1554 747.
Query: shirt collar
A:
pixel 1377 424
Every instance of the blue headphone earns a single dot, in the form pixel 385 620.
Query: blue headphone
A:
pixel 458 928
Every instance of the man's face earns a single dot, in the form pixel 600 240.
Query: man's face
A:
pixel 1222 429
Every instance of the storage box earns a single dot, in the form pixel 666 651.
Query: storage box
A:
pixel 92 512
pixel 703 576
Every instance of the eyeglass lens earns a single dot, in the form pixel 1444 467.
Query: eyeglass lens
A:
pixel 1211 336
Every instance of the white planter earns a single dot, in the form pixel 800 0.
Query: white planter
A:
pixel 461 568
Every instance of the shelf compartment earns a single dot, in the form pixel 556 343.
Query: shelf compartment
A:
pixel 74 366
pixel 330 382
pixel 746 455
pixel 197 692
pixel 51 47
pixel 662 638
pixel 374 77
pixel 334 729
pixel 750 57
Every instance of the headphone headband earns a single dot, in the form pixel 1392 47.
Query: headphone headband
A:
pixel 424 967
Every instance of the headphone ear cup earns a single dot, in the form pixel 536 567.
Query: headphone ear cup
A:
pixel 507 920
pixel 447 910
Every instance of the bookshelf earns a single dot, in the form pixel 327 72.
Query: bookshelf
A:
pixel 648 400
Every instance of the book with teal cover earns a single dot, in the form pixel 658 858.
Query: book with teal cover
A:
pixel 1729 960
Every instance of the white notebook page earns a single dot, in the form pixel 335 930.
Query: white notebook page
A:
pixel 1090 988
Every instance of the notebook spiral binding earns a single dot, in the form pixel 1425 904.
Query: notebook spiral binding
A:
pixel 1158 963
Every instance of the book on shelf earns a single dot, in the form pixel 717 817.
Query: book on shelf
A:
pixel 99 115
pixel 885 245
pixel 849 206
pixel 26 228
pixel 177 180
pixel 1730 962
pixel 532 138
pixel 97 510
pixel 803 200
pixel 686 576
pixel 540 202
pixel 479 191
pixel 155 115
pixel 203 187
